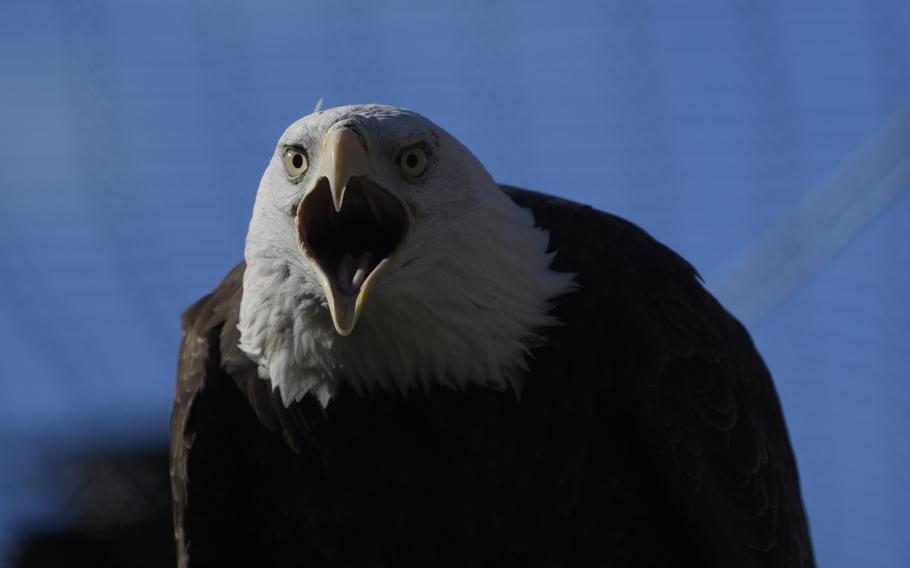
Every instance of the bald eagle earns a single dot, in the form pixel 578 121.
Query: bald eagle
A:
pixel 415 366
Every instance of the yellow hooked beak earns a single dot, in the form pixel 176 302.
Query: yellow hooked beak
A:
pixel 343 157
pixel 349 226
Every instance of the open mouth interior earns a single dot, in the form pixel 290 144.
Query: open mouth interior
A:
pixel 349 244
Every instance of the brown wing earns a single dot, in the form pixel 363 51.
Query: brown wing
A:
pixel 703 401
pixel 209 345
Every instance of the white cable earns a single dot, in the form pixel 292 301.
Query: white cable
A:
pixel 773 267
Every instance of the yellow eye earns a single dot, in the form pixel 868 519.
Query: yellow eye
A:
pixel 295 162
pixel 413 161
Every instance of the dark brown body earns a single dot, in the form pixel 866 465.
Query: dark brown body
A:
pixel 648 433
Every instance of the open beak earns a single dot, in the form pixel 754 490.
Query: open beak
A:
pixel 349 227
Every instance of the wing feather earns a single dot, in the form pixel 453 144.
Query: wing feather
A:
pixel 199 364
pixel 706 403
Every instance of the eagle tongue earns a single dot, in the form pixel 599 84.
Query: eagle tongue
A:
pixel 353 271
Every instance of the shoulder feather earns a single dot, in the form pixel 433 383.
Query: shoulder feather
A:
pixel 704 399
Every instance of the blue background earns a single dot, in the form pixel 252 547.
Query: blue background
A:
pixel 133 135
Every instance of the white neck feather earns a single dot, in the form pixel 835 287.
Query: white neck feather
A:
pixel 464 314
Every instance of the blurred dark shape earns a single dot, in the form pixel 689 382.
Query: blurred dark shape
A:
pixel 119 514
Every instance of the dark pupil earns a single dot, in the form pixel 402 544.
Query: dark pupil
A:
pixel 297 160
pixel 411 160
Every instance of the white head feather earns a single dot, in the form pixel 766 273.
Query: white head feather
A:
pixel 458 304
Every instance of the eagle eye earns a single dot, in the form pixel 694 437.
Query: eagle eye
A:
pixel 295 162
pixel 413 161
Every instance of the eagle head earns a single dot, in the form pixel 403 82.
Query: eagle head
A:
pixel 381 253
